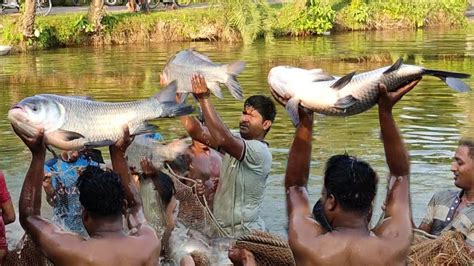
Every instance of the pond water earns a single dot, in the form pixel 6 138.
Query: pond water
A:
pixel 432 117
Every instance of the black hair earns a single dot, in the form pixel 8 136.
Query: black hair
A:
pixel 264 106
pixel 164 186
pixel 100 192
pixel 469 143
pixel 352 182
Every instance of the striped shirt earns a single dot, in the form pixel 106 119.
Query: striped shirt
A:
pixel 442 214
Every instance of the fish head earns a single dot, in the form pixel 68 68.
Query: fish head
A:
pixel 35 113
pixel 283 81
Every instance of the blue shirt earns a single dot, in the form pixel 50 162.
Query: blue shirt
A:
pixel 66 206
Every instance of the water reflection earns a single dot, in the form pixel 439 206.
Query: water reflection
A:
pixel 432 117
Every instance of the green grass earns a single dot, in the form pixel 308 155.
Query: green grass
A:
pixel 236 21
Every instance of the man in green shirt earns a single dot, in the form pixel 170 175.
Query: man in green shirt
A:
pixel 247 158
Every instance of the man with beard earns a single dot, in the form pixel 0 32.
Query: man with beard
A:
pixel 247 158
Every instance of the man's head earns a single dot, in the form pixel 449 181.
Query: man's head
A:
pixel 101 194
pixel 350 185
pixel 257 117
pixel 463 165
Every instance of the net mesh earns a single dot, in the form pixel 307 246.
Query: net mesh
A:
pixel 193 213
pixel 449 248
pixel 268 249
pixel 26 254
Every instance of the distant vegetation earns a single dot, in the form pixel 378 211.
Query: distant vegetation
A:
pixel 238 20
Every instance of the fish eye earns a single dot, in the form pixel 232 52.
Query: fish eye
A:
pixel 34 108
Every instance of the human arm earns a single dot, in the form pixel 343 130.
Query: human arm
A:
pixel 135 215
pixel 56 244
pixel 218 136
pixel 302 229
pixel 398 194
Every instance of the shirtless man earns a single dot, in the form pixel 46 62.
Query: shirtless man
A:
pixel 103 195
pixel 205 168
pixel 346 199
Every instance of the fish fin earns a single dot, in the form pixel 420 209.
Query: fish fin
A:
pixel 321 77
pixel 145 128
pixel 345 102
pixel 216 90
pixel 395 66
pixel 199 55
pixel 184 96
pixel 452 79
pixel 69 135
pixel 236 68
pixel 292 109
pixel 172 109
pixel 457 84
pixel 340 83
pixel 55 155
pixel 100 143
pixel 168 93
pixel 234 87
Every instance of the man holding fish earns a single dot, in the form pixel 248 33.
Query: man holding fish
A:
pixel 104 195
pixel 347 197
pixel 247 159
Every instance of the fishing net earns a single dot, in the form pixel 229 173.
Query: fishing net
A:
pixel 449 248
pixel 200 259
pixel 268 249
pixel 192 212
pixel 26 253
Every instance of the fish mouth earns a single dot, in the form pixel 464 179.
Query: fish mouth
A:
pixel 279 98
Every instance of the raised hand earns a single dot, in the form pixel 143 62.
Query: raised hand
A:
pixel 199 86
pixel 148 168
pixel 34 143
pixel 388 99
pixel 122 143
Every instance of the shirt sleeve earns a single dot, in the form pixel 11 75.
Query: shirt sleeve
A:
pixel 4 194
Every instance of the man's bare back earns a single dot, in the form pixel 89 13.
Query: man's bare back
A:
pixel 103 195
pixel 342 237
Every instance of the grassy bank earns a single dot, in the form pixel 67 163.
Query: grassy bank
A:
pixel 236 20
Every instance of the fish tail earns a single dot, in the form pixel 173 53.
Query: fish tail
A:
pixel 233 70
pixel 168 93
pixel 172 109
pixel 234 87
pixel 452 79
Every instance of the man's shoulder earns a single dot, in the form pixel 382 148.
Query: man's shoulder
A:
pixel 446 195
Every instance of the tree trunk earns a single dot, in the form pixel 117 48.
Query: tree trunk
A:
pixel 95 14
pixel 28 19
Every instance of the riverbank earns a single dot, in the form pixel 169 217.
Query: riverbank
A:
pixel 234 23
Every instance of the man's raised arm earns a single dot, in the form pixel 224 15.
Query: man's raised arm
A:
pixel 52 241
pixel 301 227
pixel 119 165
pixel 397 157
pixel 220 135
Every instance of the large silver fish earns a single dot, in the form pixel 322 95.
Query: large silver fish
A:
pixel 348 95
pixel 72 123
pixel 184 64
pixel 156 151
